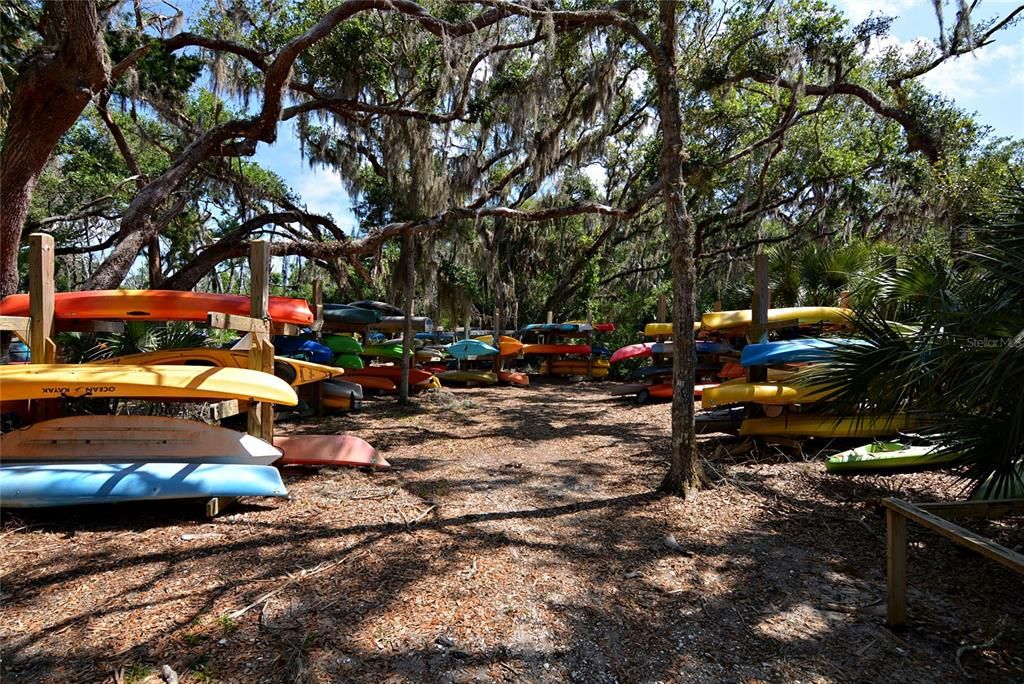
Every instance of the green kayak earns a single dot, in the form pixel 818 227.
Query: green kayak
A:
pixel 349 361
pixel 885 455
pixel 392 350
pixel 343 344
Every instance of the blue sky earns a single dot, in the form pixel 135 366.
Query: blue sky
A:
pixel 989 83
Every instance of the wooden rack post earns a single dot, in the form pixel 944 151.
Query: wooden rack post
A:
pixel 759 314
pixel 662 307
pixel 261 352
pixel 41 311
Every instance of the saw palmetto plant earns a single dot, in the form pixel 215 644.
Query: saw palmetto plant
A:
pixel 961 372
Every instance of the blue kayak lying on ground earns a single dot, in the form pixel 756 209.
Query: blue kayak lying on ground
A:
pixel 306 350
pixel 464 349
pixel 794 351
pixel 73 484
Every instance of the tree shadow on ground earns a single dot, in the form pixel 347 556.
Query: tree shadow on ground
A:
pixel 551 569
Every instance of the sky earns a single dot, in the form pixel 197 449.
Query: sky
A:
pixel 989 83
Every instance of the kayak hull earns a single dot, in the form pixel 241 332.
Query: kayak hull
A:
pixel 73 484
pixel 293 371
pixel 158 305
pixel 329 450
pixel 770 393
pixel 827 426
pixel 121 439
pixel 54 381
pixel 888 455
pixel 804 315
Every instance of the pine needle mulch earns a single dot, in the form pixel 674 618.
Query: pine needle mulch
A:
pixel 516 539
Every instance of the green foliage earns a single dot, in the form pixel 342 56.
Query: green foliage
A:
pixel 961 370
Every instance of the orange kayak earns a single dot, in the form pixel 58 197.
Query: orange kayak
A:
pixel 507 346
pixel 329 450
pixel 514 378
pixel 344 403
pixel 157 305
pixel 372 382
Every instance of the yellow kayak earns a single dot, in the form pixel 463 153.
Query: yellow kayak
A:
pixel 772 393
pixel 599 369
pixel 817 425
pixel 507 346
pixel 481 377
pixel 806 315
pixel 664 329
pixel 53 381
pixel 292 371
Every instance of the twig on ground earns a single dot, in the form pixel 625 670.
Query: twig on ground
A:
pixel 977 647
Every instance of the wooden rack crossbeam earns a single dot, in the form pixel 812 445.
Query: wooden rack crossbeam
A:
pixel 898 512
pixel 19 325
pixel 238 323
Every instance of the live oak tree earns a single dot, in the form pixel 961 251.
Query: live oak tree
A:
pixel 470 121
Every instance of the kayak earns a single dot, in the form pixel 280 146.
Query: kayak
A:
pixel 551 349
pixel 481 377
pixel 343 344
pixel 883 455
pixel 342 388
pixel 664 329
pixel 391 350
pixel 396 324
pixel 351 315
pixel 558 327
pixel 55 381
pixel 805 315
pixel 394 373
pixel 632 351
pixel 507 346
pixel 293 371
pixel 73 484
pixel 514 378
pixel 157 305
pixel 342 403
pixel 121 439
pixel 817 425
pixel 381 307
pixel 372 382
pixel 649 372
pixel 471 349
pixel 329 450
pixel 308 350
pixel 598 369
pixel 794 351
pixel 349 361
pixel 770 393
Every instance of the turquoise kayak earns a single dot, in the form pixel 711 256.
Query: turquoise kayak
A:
pixel 471 349
pixel 73 484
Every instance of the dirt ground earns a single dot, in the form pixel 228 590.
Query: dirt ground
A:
pixel 517 539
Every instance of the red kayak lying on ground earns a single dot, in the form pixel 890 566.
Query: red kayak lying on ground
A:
pixel 157 305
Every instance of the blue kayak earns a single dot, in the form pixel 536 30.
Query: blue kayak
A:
pixel 73 484
pixel 600 350
pixel 793 351
pixel 464 349
pixel 701 347
pixel 306 350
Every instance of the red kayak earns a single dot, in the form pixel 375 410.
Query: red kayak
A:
pixel 157 305
pixel 329 450
pixel 632 351
pixel 394 373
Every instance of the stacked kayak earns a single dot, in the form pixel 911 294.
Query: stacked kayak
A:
pixel 157 305
pixel 301 348
pixel 812 350
pixel 470 377
pixel 830 316
pixel 820 425
pixel 597 368
pixel 293 371
pixel 466 350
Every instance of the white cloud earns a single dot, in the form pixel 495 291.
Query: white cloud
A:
pixel 859 10
pixel 993 69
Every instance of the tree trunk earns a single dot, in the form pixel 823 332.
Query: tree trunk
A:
pixel 49 94
pixel 683 478
pixel 409 260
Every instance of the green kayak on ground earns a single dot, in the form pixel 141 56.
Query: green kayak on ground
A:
pixel 885 455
